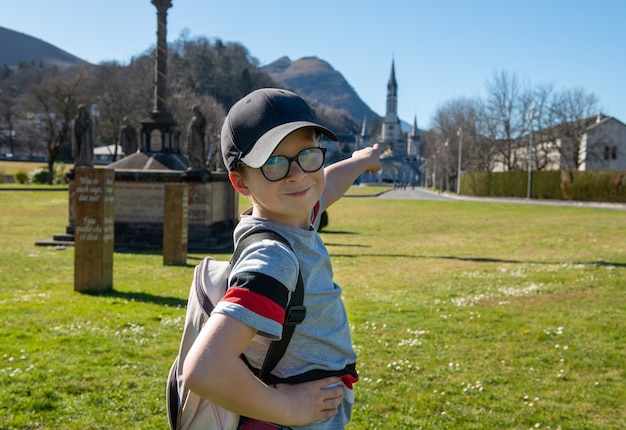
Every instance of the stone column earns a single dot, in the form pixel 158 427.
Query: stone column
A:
pixel 161 55
pixel 175 224
pixel 93 229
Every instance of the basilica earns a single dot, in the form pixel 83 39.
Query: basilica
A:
pixel 401 160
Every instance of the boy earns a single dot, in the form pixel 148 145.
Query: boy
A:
pixel 271 148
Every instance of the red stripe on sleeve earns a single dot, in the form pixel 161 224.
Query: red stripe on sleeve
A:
pixel 257 303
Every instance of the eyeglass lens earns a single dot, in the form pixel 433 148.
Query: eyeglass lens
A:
pixel 309 159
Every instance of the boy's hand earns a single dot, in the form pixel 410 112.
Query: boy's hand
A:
pixel 370 157
pixel 313 401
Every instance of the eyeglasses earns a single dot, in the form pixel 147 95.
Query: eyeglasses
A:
pixel 310 160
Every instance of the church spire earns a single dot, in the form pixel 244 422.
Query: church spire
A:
pixel 414 129
pixel 413 141
pixel 391 126
pixel 392 95
pixel 392 85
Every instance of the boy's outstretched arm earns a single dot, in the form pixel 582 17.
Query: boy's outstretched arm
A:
pixel 341 175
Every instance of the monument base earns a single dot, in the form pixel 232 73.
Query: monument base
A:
pixel 140 203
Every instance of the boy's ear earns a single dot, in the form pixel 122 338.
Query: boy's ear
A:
pixel 238 181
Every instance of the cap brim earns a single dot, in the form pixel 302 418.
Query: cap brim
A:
pixel 263 148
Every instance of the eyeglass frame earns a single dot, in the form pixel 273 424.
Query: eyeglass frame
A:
pixel 291 159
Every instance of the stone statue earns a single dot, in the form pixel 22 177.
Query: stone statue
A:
pixel 83 142
pixel 128 138
pixel 196 147
pixel 214 157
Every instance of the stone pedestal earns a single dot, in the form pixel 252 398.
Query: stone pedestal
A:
pixel 93 229
pixel 175 222
pixel 140 183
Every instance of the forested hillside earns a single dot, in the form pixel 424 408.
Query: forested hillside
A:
pixel 211 73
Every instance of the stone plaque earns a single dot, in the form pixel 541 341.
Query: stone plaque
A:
pixel 93 229
pixel 175 224
pixel 137 202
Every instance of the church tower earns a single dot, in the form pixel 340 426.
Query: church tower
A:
pixel 391 132
pixel 364 137
pixel 413 142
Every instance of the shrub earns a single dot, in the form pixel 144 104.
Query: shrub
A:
pixel 21 177
pixel 59 174
pixel 39 176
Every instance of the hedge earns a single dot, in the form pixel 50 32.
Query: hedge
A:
pixel 593 185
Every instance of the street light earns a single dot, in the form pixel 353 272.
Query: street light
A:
pixel 445 166
pixel 458 175
pixel 530 116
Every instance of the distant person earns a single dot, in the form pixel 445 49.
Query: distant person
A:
pixel 271 146
pixel 196 146
pixel 128 138
pixel 82 143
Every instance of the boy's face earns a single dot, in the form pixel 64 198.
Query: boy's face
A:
pixel 289 200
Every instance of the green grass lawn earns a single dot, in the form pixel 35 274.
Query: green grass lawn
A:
pixel 465 315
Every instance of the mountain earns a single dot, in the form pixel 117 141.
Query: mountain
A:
pixel 18 47
pixel 318 81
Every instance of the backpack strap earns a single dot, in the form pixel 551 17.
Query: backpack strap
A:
pixel 296 311
pixel 205 302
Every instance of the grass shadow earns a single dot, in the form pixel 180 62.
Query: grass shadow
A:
pixel 324 231
pixel 140 297
pixel 347 245
pixel 601 263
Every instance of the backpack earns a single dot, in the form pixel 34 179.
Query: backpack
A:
pixel 185 409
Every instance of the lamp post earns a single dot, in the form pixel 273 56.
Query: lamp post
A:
pixel 531 115
pixel 458 175
pixel 446 164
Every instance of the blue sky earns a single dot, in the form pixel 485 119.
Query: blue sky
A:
pixel 443 49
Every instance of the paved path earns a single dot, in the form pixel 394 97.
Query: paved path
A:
pixel 414 193
pixel 424 194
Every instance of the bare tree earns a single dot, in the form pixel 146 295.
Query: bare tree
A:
pixel 51 104
pixel 112 94
pixel 7 117
pixel 574 110
pixel 503 117
pixel 457 125
pixel 539 121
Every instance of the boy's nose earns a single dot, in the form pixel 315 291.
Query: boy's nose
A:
pixel 294 169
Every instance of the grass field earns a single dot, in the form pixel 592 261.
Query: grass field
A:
pixel 465 315
pixel 12 167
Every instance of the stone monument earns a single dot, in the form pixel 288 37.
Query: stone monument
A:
pixel 83 138
pixel 128 138
pixel 196 144
pixel 93 230
pixel 142 178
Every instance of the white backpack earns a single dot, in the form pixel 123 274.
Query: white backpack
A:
pixel 185 409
